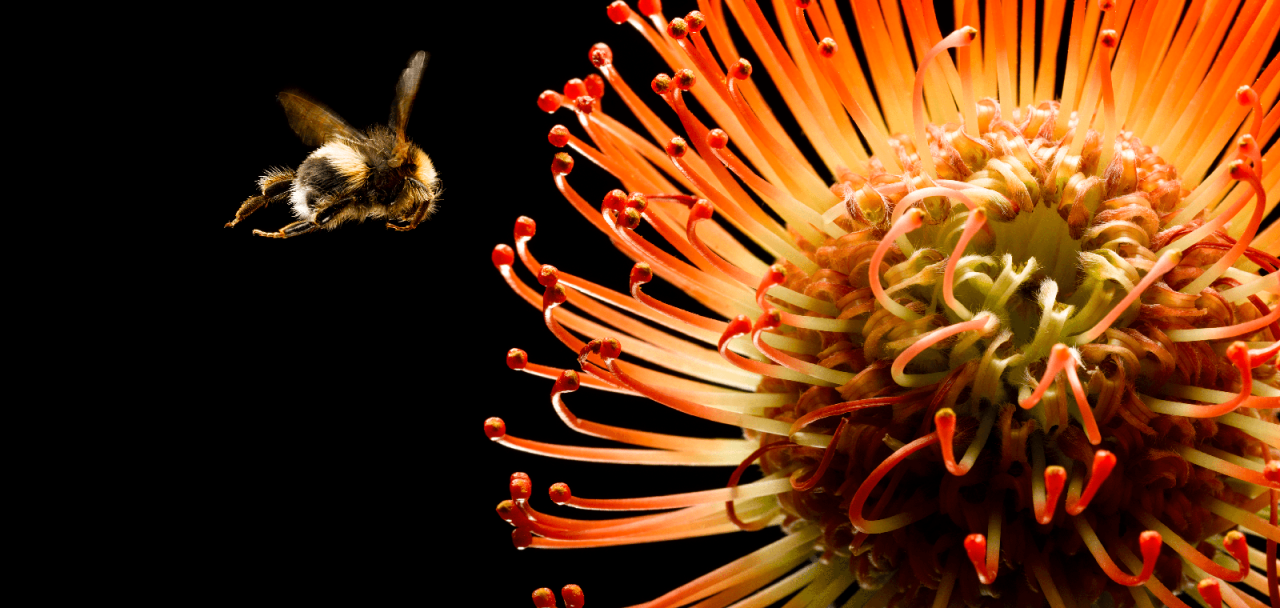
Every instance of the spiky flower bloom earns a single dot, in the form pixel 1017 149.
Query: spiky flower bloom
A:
pixel 1015 349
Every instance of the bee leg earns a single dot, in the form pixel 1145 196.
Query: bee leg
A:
pixel 419 213
pixel 294 229
pixel 274 186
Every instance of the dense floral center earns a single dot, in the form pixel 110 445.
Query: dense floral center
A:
pixel 1056 257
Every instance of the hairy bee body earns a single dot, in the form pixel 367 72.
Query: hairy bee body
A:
pixel 352 175
pixel 359 174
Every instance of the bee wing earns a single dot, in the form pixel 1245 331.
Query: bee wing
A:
pixel 313 122
pixel 406 91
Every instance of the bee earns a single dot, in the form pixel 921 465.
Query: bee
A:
pixel 351 175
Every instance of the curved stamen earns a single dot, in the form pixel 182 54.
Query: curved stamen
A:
pixel 945 421
pixel 518 360
pixel 912 219
pixel 1103 462
pixel 1061 359
pixel 641 274
pixel 702 210
pixel 959 38
pixel 827 455
pixel 737 474
pixel 611 349
pixel 569 382
pixel 839 409
pixel 1149 541
pixel 1166 263
pixel 1220 333
pixel 496 430
pixel 771 320
pixel 741 326
pixel 1233 543
pixel 977 219
pixel 905 518
pixel 1210 591
pixel 1242 172
pixel 984 555
pixel 985 323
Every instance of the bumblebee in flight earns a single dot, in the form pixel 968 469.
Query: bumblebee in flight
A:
pixel 351 175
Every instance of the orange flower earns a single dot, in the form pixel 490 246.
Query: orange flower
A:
pixel 1011 342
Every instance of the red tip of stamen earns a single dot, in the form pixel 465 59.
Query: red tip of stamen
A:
pixel 495 428
pixel 584 103
pixel 740 325
pixel 573 597
pixel 544 598
pixel 561 164
pixel 600 55
pixel 517 359
pixel 677 147
pixel 522 538
pixel 702 210
pixel 717 138
pixel 803 4
pixel 741 70
pixel 1103 463
pixel 549 101
pixel 588 348
pixel 945 421
pixel 641 273
pixel 615 200
pixel 554 295
pixel 661 84
pixel 520 475
pixel 696 21
pixel 1239 170
pixel 559 136
pixel 630 219
pixel 507 511
pixel 678 29
pixel 769 320
pixel 1246 95
pixel 1109 38
pixel 1149 541
pixel 619 12
pixel 503 256
pixel 525 228
pixel 574 88
pixel 521 488
pixel 1055 477
pixel 827 47
pixel 1272 471
pixel 568 382
pixel 1236 544
pixel 1106 5
pixel 975 545
pixel 685 79
pixel 610 348
pixel 559 493
pixel 1210 591
pixel 1238 353
pixel 649 8
pixel 637 201
pixel 775 275
pixel 548 275
pixel 595 83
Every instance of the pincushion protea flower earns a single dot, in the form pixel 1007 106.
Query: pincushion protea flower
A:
pixel 1015 343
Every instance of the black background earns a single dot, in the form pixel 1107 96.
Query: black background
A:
pixel 344 376
pixel 326 440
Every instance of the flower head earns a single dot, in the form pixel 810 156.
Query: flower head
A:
pixel 1013 338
